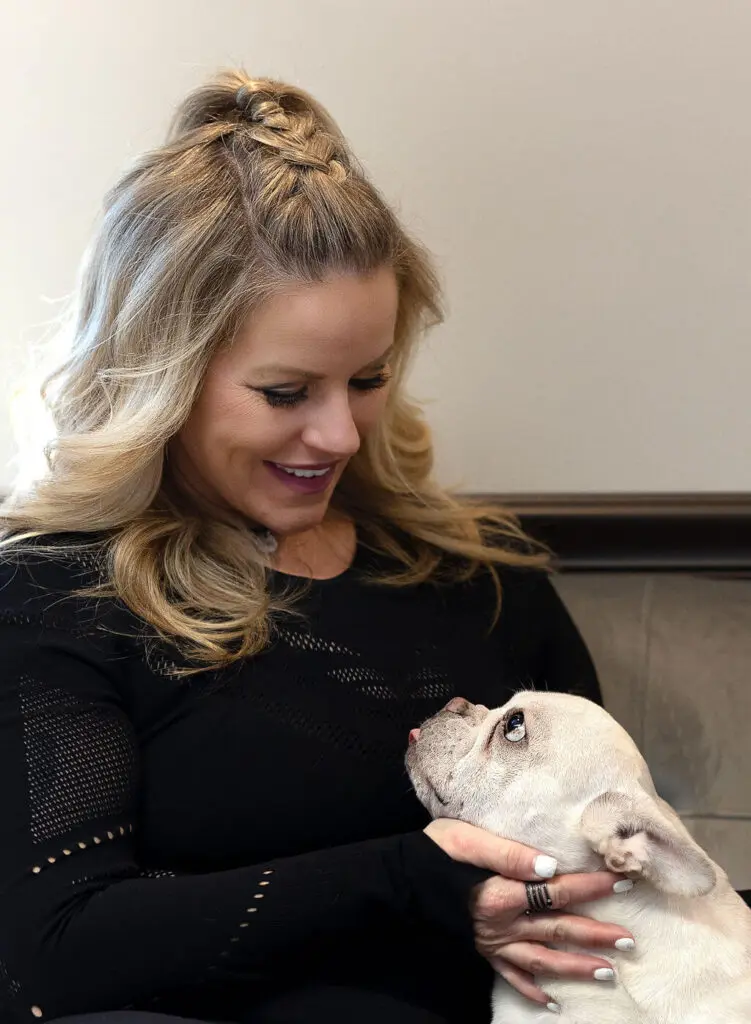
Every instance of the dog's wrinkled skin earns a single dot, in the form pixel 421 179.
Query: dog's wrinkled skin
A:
pixel 571 783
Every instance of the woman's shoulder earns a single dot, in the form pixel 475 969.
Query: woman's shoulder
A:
pixel 57 590
pixel 518 583
pixel 525 602
pixel 530 582
pixel 39 577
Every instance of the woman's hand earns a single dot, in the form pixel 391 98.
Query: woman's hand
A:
pixel 513 942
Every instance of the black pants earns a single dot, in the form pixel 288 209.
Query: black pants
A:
pixel 327 1005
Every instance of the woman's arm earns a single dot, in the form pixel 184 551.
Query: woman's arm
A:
pixel 81 929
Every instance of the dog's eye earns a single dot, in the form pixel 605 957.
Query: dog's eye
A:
pixel 514 728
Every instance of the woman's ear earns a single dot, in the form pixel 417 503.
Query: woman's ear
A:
pixel 642 837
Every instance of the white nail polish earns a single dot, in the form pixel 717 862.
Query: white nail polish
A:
pixel 625 944
pixel 624 885
pixel 554 1007
pixel 604 974
pixel 545 867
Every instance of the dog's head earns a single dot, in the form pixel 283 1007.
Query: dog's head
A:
pixel 558 773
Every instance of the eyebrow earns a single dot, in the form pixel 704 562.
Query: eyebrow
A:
pixel 277 371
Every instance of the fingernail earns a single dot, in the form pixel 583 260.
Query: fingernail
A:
pixel 604 974
pixel 545 867
pixel 623 885
pixel 554 1007
pixel 625 944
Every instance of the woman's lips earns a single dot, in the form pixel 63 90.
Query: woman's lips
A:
pixel 303 484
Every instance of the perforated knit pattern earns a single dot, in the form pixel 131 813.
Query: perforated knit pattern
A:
pixel 80 760
pixel 364 680
pixel 305 641
pixel 9 984
pixel 436 689
pixel 428 683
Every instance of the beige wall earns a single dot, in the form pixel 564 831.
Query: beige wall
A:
pixel 581 168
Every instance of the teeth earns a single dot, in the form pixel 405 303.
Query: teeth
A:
pixel 303 472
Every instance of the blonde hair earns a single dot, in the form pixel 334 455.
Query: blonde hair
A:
pixel 254 188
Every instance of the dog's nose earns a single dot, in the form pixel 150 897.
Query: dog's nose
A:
pixel 458 706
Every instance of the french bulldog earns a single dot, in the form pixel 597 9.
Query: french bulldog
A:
pixel 558 773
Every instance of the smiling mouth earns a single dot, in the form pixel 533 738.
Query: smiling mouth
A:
pixel 303 479
pixel 305 472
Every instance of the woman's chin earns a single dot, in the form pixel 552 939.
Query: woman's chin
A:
pixel 285 523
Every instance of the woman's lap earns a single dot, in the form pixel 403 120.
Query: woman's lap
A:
pixel 332 1004
pixel 124 1017
pixel 336 1004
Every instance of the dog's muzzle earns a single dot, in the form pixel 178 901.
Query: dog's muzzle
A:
pixel 538 897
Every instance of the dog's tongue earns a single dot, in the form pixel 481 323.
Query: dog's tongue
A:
pixel 414 735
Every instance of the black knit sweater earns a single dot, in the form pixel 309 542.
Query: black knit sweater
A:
pixel 203 846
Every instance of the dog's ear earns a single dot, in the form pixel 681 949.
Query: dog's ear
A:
pixel 642 837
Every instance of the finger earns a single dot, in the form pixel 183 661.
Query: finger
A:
pixel 562 929
pixel 596 885
pixel 477 846
pixel 520 980
pixel 537 959
pixel 499 894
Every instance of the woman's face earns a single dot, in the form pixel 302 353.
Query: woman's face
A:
pixel 284 408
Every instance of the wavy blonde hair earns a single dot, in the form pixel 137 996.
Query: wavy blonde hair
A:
pixel 254 188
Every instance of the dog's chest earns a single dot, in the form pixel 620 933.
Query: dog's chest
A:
pixel 580 1002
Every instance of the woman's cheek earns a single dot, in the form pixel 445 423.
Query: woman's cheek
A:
pixel 375 408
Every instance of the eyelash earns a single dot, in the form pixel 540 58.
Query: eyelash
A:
pixel 287 399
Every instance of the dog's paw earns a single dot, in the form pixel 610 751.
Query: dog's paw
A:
pixel 640 836
pixel 626 854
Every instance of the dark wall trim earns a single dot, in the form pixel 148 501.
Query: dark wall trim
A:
pixel 640 532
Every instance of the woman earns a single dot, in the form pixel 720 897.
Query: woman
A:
pixel 232 594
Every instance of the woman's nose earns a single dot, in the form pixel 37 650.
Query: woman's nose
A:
pixel 333 430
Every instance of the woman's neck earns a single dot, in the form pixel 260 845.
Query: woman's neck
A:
pixel 324 551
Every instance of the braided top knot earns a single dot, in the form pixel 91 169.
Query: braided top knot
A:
pixel 260 107
pixel 297 134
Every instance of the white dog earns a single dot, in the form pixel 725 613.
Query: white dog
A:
pixel 558 773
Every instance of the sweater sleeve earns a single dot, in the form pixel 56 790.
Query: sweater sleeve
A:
pixel 82 928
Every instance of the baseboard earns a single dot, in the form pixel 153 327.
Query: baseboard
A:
pixel 708 533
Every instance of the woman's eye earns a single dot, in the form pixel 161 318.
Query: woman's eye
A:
pixel 379 380
pixel 279 398
pixel 514 728
pixel 283 398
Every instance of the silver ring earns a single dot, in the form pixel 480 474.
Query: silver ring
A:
pixel 538 897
